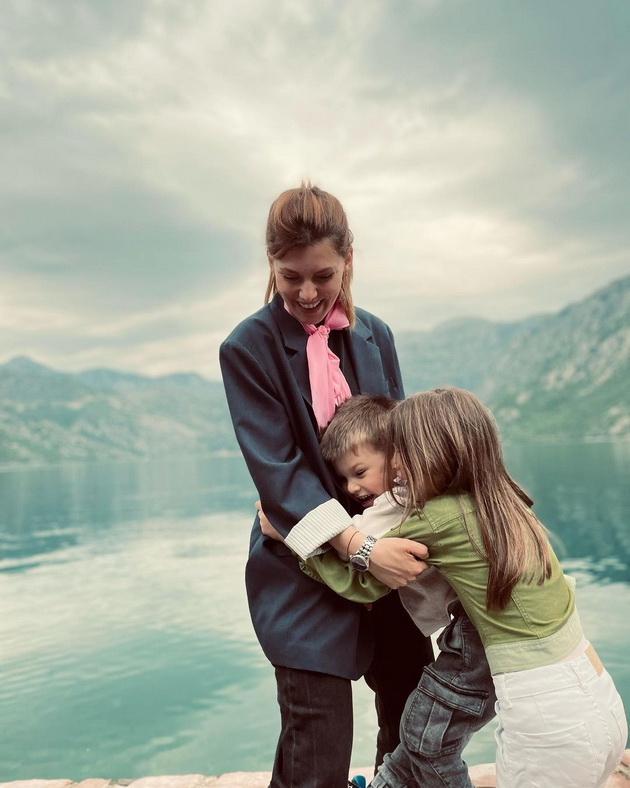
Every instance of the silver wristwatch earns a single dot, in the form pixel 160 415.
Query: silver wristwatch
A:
pixel 361 559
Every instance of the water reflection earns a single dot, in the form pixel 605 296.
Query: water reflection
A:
pixel 45 510
pixel 110 711
pixel 126 643
pixel 582 495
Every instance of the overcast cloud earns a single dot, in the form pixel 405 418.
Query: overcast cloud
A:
pixel 480 149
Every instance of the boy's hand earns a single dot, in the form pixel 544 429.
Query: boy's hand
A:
pixel 265 526
pixel 397 562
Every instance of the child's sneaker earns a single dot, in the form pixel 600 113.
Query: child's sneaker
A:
pixel 357 782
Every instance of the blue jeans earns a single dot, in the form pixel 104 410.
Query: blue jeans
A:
pixel 455 698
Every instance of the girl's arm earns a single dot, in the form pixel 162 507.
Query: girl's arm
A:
pixel 332 568
pixel 394 561
pixel 339 575
pixel 328 568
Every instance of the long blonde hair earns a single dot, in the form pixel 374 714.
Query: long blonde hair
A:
pixel 448 443
pixel 303 217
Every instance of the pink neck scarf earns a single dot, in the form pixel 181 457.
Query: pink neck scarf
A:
pixel 329 387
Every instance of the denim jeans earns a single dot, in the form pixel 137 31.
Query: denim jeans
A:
pixel 315 741
pixel 400 654
pixel 455 698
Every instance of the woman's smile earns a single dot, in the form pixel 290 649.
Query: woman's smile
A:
pixel 310 306
pixel 309 280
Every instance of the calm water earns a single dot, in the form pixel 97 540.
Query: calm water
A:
pixel 125 644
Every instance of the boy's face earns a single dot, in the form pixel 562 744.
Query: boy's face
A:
pixel 362 472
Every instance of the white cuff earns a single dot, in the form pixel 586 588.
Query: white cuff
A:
pixel 318 526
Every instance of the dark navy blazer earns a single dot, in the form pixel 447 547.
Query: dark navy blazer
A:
pixel 300 622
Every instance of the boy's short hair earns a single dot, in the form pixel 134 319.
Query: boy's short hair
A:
pixel 360 419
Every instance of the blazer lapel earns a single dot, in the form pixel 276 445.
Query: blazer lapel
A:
pixel 366 358
pixel 294 338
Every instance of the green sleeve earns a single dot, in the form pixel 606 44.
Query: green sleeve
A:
pixel 338 575
pixel 357 586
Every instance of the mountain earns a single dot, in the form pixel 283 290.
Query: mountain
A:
pixel 47 416
pixel 559 377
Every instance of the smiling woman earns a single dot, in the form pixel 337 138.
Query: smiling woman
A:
pixel 310 280
pixel 308 237
pixel 285 370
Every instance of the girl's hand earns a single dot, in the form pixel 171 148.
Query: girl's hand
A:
pixel 397 562
pixel 265 526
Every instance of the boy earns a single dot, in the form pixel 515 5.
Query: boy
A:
pixel 354 444
pixel 455 696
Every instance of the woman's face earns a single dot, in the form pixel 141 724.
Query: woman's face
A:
pixel 309 280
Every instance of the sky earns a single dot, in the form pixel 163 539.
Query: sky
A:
pixel 480 149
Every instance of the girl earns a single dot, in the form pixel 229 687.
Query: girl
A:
pixel 561 720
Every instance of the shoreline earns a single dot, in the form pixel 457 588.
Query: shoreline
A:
pixel 482 776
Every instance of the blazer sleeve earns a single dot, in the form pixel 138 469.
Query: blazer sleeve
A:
pixel 284 477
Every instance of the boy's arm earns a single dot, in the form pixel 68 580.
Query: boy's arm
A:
pixel 329 569
pixel 395 561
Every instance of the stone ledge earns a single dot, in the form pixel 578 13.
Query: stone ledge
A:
pixel 482 776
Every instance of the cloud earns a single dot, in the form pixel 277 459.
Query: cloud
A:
pixel 479 150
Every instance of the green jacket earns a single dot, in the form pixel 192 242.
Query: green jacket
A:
pixel 539 625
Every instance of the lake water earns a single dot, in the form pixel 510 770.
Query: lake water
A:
pixel 125 643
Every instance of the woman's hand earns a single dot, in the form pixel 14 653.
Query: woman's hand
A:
pixel 397 562
pixel 265 526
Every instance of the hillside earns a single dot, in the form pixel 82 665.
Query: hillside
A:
pixel 47 416
pixel 555 377
pixel 560 377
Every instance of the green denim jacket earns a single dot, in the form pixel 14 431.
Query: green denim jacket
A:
pixel 539 625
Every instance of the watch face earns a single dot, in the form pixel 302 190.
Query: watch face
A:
pixel 359 562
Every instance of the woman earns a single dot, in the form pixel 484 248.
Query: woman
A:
pixel 285 369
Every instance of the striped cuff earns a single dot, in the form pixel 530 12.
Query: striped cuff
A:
pixel 318 526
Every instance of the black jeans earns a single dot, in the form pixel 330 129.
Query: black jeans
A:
pixel 315 740
pixel 315 743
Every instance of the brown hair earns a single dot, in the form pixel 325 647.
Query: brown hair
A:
pixel 303 217
pixel 359 420
pixel 448 443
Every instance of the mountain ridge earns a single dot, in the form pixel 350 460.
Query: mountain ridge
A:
pixel 538 374
pixel 554 377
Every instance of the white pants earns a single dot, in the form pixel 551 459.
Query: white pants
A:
pixel 561 726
